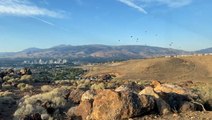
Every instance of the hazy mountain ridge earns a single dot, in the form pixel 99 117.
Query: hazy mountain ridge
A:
pixel 207 50
pixel 95 51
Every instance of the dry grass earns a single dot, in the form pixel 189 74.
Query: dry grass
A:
pixel 46 88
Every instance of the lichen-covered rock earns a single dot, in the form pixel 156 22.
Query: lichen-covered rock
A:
pixel 111 105
pixel 88 95
pixel 75 95
pixel 98 86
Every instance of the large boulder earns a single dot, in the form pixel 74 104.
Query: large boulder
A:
pixel 175 95
pixel 111 105
pixel 149 91
pixel 162 106
pixel 169 88
pixel 175 100
pixel 81 112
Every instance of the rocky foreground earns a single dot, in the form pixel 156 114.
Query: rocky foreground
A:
pixel 23 99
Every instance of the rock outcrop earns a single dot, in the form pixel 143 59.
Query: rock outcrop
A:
pixel 125 102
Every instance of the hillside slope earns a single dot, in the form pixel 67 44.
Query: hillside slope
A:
pixel 184 68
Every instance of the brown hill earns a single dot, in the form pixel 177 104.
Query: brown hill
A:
pixel 181 68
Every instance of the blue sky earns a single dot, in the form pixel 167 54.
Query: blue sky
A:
pixel 180 24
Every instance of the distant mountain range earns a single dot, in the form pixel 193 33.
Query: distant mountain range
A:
pixel 208 50
pixel 98 51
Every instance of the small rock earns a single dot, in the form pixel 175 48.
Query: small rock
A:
pixel 175 115
pixel 44 116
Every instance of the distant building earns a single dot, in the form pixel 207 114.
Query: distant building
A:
pixel 51 61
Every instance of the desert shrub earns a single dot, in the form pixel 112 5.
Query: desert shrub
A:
pixel 204 91
pixel 111 85
pixel 79 82
pixel 6 93
pixel 6 101
pixel 28 109
pixel 24 87
pixel 6 78
pixel 142 82
pixel 7 86
pixel 11 80
pixel 83 86
pixel 27 88
pixel 46 88
pixel 68 87
pixel 98 86
pixel 21 85
pixel 31 105
pixel 63 82
pixel 26 78
pixel 87 81
pixel 74 84
pixel 1 80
